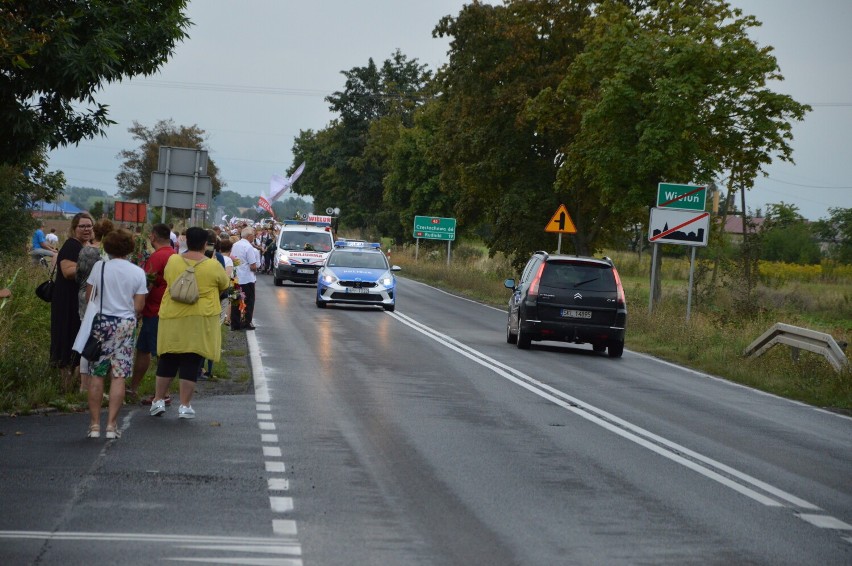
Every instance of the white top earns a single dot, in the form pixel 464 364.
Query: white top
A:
pixel 247 255
pixel 51 238
pixel 228 263
pixel 123 281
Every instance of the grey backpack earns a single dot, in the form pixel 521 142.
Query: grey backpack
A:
pixel 185 288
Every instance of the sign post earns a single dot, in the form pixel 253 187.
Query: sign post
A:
pixel 434 228
pixel 561 223
pixel 679 218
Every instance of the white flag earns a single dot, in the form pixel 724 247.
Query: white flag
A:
pixel 278 185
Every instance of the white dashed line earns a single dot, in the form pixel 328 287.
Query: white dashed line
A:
pixel 271 449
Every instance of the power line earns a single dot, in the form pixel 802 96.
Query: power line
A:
pixel 805 186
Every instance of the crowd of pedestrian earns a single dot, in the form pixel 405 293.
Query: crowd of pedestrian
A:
pixel 113 286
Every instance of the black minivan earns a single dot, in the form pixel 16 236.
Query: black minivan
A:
pixel 569 299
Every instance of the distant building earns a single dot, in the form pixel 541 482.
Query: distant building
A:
pixel 62 209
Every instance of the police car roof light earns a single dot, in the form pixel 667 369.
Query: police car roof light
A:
pixel 357 244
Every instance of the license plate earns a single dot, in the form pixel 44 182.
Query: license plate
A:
pixel 353 290
pixel 305 271
pixel 570 313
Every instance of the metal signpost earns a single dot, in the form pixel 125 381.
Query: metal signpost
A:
pixel 561 223
pixel 181 180
pixel 679 218
pixel 434 228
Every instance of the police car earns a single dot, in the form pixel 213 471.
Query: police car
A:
pixel 357 273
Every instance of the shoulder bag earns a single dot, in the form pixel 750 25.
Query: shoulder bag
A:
pixel 94 346
pixel 45 290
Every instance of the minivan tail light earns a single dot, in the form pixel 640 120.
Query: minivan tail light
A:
pixel 621 299
pixel 534 286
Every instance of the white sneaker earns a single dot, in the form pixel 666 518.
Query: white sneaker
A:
pixel 158 408
pixel 186 412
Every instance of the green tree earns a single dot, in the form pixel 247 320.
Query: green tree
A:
pixel 346 161
pixel 84 197
pixel 20 187
pixel 786 236
pixel 134 178
pixel 495 163
pixel 836 231
pixel 55 56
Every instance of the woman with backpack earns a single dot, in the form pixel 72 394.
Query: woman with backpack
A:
pixel 189 330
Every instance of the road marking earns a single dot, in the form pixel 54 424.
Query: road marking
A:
pixel 712 469
pixel 272 451
pixel 281 504
pixel 278 504
pixel 658 360
pixel 825 522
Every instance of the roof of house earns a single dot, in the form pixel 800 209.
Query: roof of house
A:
pixel 63 207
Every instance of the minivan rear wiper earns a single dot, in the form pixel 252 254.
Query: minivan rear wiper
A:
pixel 586 281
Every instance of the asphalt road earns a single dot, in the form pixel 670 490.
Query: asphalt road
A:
pixel 422 437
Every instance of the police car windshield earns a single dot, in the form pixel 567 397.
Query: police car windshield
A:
pixel 366 260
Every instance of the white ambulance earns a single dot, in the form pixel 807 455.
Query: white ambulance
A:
pixel 302 248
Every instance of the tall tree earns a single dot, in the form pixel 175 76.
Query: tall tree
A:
pixel 499 167
pixel 342 171
pixel 836 231
pixel 134 177
pixel 55 56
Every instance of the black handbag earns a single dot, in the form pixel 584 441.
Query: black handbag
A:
pixel 45 290
pixel 94 346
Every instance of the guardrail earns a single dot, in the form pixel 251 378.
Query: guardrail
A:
pixel 800 339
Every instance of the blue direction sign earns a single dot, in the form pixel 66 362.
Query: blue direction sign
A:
pixel 434 228
pixel 683 197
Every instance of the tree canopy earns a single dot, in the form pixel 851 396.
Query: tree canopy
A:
pixel 134 177
pixel 55 56
pixel 586 103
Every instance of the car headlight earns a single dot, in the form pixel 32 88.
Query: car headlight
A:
pixel 386 280
pixel 328 278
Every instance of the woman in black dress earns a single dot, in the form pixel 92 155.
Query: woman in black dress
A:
pixel 64 308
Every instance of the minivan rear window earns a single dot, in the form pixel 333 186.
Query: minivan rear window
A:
pixel 568 275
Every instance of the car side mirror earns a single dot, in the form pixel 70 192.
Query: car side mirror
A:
pixel 396 268
pixel 509 284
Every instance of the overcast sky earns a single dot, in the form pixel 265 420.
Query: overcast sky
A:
pixel 255 72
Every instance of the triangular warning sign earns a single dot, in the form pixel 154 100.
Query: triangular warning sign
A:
pixel 561 222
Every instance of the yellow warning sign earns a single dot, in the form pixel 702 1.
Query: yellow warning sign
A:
pixel 561 222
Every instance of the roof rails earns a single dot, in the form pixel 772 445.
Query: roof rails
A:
pixel 306 223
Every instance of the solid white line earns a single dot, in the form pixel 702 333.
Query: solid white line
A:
pixel 636 434
pixel 664 362
pixel 240 561
pixel 261 386
pixel 825 522
pixel 139 537
pixel 271 549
